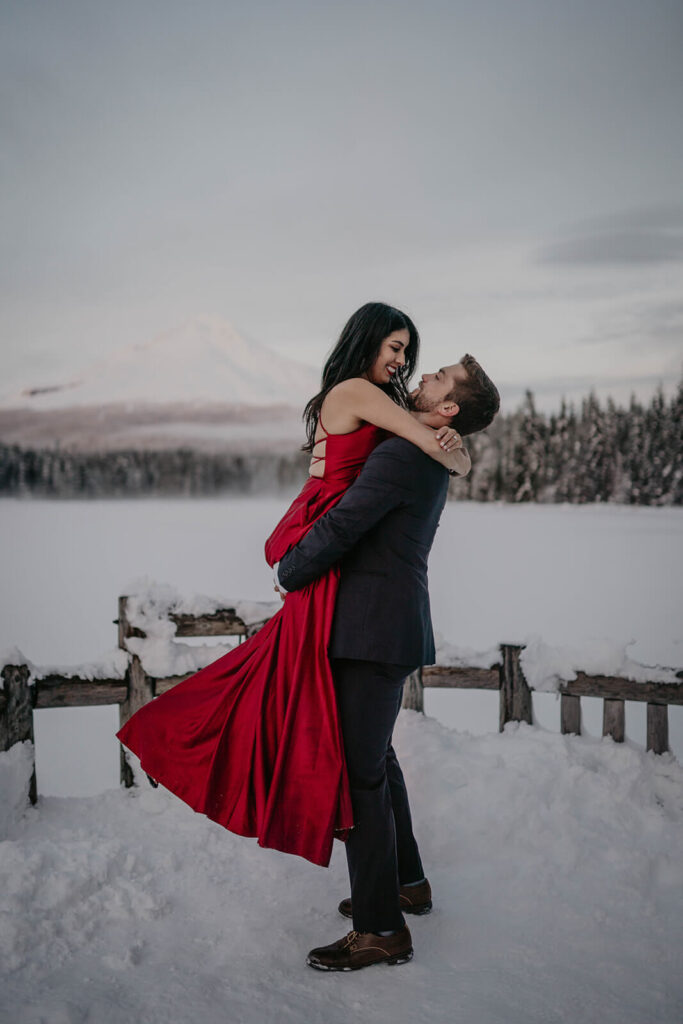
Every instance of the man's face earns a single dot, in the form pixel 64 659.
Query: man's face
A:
pixel 433 388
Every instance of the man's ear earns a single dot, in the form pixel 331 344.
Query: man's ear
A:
pixel 448 410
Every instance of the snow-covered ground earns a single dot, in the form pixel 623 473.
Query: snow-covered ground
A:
pixel 555 861
pixel 555 864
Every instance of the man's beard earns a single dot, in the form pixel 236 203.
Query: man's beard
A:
pixel 418 403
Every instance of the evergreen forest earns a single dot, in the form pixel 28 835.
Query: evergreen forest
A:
pixel 599 452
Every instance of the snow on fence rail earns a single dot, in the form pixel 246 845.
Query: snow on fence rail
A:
pixel 24 687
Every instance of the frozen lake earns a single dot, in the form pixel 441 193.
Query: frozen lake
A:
pixel 570 575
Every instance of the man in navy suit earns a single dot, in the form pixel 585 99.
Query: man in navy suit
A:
pixel 380 533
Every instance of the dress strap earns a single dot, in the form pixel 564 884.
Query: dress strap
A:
pixel 320 458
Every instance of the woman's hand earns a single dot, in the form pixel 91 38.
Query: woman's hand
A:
pixel 450 452
pixel 449 439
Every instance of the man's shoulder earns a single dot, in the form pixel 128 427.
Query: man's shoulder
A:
pixel 400 449
pixel 399 464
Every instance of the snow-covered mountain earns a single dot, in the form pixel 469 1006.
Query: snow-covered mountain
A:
pixel 200 386
pixel 204 361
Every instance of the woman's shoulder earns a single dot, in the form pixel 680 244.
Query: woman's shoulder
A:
pixel 349 387
pixel 340 410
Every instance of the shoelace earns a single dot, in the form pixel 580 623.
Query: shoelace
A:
pixel 350 941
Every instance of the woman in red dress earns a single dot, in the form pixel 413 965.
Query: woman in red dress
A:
pixel 253 740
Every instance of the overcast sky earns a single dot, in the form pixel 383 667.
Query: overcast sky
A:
pixel 511 174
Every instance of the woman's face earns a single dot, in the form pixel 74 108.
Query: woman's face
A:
pixel 391 356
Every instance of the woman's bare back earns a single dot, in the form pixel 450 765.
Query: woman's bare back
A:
pixel 336 417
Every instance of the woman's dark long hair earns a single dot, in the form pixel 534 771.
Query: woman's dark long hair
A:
pixel 355 352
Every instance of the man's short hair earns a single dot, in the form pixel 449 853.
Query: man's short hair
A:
pixel 477 397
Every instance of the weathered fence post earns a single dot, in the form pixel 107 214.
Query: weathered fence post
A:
pixel 140 686
pixel 16 714
pixel 657 728
pixel 413 692
pixel 515 695
pixel 613 719
pixel 570 714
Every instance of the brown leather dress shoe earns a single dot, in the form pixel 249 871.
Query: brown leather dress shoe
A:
pixel 362 949
pixel 414 899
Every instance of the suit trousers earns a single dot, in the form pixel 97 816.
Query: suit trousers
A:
pixel 381 849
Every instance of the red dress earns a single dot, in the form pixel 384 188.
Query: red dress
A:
pixel 253 740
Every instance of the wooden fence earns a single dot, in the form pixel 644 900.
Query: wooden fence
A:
pixel 19 697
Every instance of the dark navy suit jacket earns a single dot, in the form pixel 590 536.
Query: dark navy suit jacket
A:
pixel 380 532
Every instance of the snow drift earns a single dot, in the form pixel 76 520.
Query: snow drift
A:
pixel 554 860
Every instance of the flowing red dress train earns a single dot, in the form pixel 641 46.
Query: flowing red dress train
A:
pixel 253 740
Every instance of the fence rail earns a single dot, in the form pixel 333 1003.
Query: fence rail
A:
pixel 19 697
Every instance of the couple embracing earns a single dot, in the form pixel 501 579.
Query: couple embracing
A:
pixel 288 737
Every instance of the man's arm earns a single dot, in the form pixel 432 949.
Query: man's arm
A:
pixel 384 484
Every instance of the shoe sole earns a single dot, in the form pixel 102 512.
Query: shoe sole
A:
pixel 424 908
pixel 392 961
pixel 420 911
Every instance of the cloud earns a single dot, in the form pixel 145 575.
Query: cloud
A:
pixel 636 330
pixel 645 236
pixel 661 323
